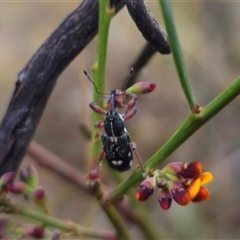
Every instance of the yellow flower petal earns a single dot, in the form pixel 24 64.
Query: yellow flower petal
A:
pixel 194 187
pixel 206 177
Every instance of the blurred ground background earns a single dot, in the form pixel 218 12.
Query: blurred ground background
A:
pixel 210 36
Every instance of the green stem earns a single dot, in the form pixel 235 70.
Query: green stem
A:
pixel 111 212
pixel 105 16
pixel 54 222
pixel 192 123
pixel 177 53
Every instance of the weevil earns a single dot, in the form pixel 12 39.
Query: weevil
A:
pixel 117 146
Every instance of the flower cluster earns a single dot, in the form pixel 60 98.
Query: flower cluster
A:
pixel 179 181
pixel 29 187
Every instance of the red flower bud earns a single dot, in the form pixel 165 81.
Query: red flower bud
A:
pixel 95 173
pixel 34 231
pixel 165 199
pixel 192 170
pixel 181 196
pixel 16 187
pixel 7 178
pixel 145 189
pixel 39 193
pixel 142 87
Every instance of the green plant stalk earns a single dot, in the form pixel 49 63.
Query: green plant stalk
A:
pixel 192 123
pixel 105 16
pixel 52 222
pixel 117 222
pixel 111 212
pixel 177 53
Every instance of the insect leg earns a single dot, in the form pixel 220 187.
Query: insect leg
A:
pixel 130 105
pixel 96 108
pixel 129 114
pixel 99 124
pixel 133 146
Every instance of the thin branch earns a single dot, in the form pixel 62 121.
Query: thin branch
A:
pixel 99 68
pixel 177 54
pixel 50 161
pixel 68 226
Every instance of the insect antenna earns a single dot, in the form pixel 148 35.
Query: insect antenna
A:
pixel 94 84
pixel 129 77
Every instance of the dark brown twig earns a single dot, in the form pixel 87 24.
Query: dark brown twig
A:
pixel 37 80
pixel 148 26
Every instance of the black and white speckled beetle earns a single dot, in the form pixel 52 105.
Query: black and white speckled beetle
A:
pixel 117 146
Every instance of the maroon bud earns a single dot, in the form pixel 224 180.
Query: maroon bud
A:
pixel 165 199
pixel 192 170
pixel 145 189
pixel 24 176
pixel 39 193
pixel 34 231
pixel 7 178
pixel 142 87
pixel 38 232
pixel 143 193
pixel 16 187
pixel 197 109
pixel 94 174
pixel 181 196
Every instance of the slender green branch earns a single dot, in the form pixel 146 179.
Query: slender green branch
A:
pixel 177 53
pixel 110 212
pixel 54 222
pixel 192 123
pixel 105 16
